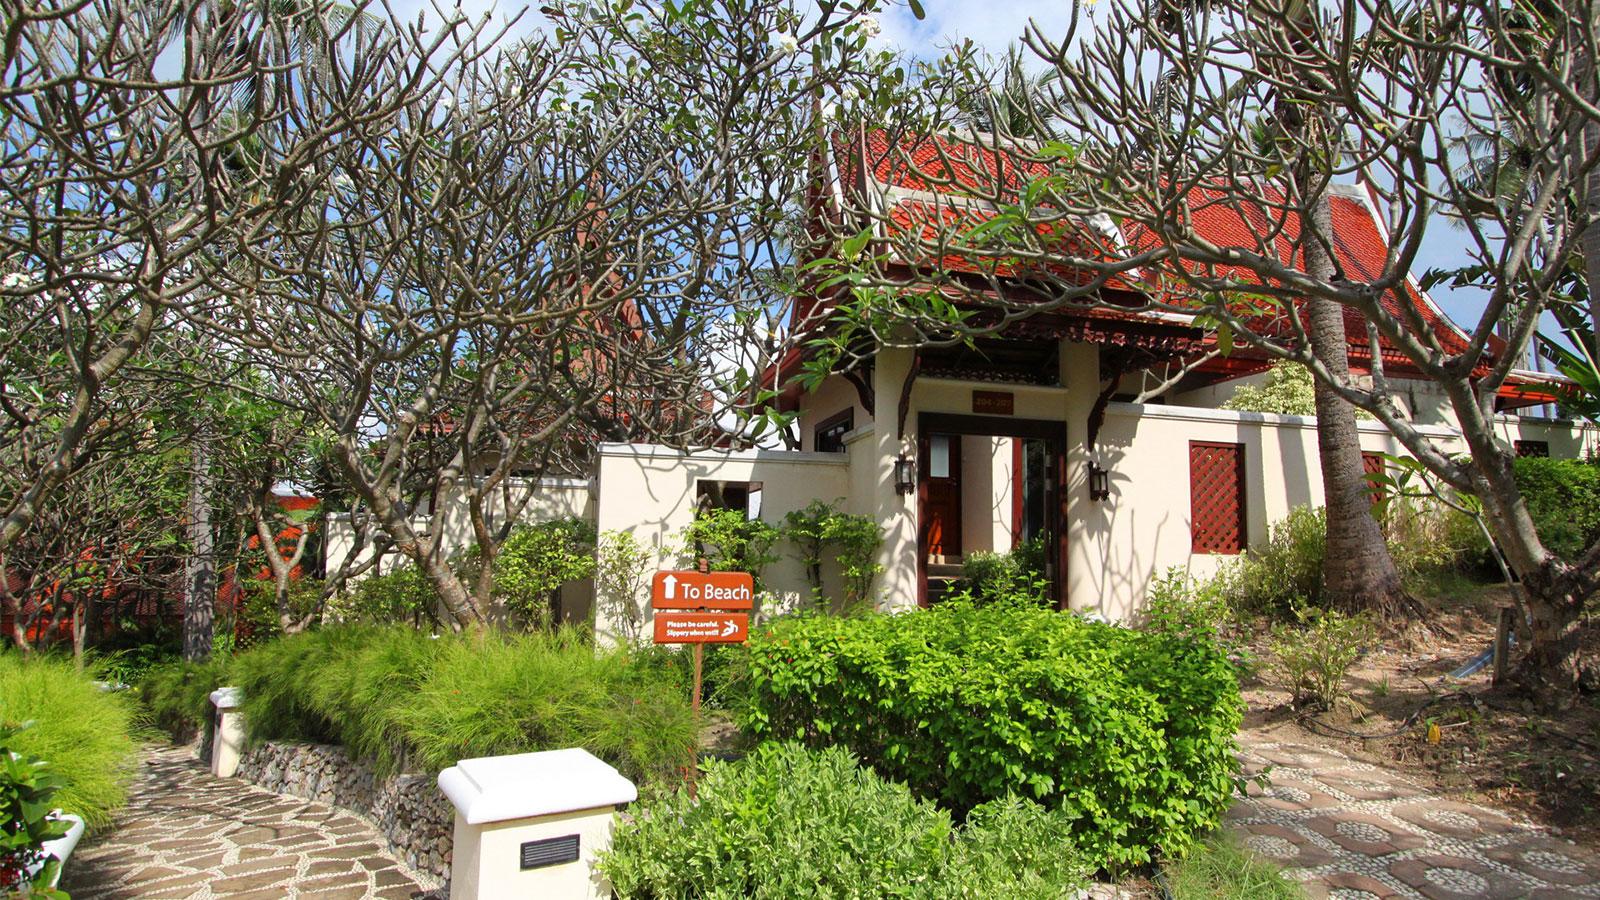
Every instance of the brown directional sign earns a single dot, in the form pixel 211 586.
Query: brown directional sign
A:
pixel 702 628
pixel 702 590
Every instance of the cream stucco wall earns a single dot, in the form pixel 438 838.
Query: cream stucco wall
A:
pixel 651 492
pixel 986 489
pixel 540 500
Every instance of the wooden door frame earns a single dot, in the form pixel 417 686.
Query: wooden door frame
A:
pixel 1053 433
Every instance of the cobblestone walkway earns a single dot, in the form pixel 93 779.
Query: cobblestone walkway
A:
pixel 1362 832
pixel 187 836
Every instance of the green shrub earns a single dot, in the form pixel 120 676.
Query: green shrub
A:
pixel 1016 576
pixel 177 696
pixel 730 542
pixel 1130 733
pixel 1314 653
pixel 1563 496
pixel 1287 390
pixel 1220 869
pixel 820 529
pixel 1287 572
pixel 790 822
pixel 1175 604
pixel 533 563
pixel 400 697
pixel 27 794
pixel 622 584
pixel 129 664
pixel 83 732
pixel 402 594
pixel 259 611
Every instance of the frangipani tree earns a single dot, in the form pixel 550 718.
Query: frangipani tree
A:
pixel 561 243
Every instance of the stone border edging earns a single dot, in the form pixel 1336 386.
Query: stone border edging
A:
pixel 409 811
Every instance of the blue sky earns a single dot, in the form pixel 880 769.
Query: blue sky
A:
pixel 992 25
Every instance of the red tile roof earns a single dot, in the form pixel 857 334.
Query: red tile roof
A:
pixel 967 173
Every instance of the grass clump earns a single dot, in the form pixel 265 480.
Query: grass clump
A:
pixel 792 822
pixel 83 732
pixel 1220 869
pixel 176 696
pixel 403 698
pixel 494 694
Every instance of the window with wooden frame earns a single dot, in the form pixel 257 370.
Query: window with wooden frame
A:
pixel 744 496
pixel 829 435
pixel 1540 449
pixel 1373 464
pixel 1216 497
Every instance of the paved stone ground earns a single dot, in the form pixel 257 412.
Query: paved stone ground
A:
pixel 1359 831
pixel 187 836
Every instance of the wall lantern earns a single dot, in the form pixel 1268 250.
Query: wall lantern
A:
pixel 1099 483
pixel 905 474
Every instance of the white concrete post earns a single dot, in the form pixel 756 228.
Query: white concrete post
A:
pixel 530 825
pixel 227 739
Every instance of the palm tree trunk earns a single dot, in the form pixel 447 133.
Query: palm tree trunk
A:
pixel 1357 572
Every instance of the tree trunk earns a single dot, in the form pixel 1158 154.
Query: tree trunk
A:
pixel 1357 572
pixel 199 602
pixel 456 605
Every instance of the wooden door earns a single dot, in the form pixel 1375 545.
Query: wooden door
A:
pixel 941 478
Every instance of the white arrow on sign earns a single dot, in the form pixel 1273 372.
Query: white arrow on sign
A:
pixel 731 627
pixel 671 584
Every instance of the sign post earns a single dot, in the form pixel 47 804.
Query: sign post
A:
pixel 699 608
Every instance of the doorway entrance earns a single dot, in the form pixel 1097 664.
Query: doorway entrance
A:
pixel 972 495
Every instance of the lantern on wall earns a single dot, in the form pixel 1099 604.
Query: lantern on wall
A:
pixel 905 474
pixel 1099 483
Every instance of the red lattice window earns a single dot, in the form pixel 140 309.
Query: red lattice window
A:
pixel 1540 449
pixel 1216 497
pixel 1373 464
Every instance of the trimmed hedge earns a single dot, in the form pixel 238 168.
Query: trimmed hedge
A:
pixel 791 822
pixel 400 697
pixel 82 731
pixel 1130 733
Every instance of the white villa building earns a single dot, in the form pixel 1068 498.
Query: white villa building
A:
pixel 958 451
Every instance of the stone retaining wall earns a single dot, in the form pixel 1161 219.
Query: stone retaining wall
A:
pixel 410 811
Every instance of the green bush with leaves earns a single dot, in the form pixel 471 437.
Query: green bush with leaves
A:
pixel 83 732
pixel 1312 656
pixel 404 699
pixel 1177 604
pixel 1287 572
pixel 533 563
pixel 819 530
pixel 177 696
pixel 730 542
pixel 791 822
pixel 1563 496
pixel 401 594
pixel 1014 576
pixel 27 797
pixel 622 584
pixel 1130 733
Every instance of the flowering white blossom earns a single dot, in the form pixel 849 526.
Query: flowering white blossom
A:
pixel 785 42
pixel 849 93
pixel 871 27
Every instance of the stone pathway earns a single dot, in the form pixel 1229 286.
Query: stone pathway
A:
pixel 187 836
pixel 1359 831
